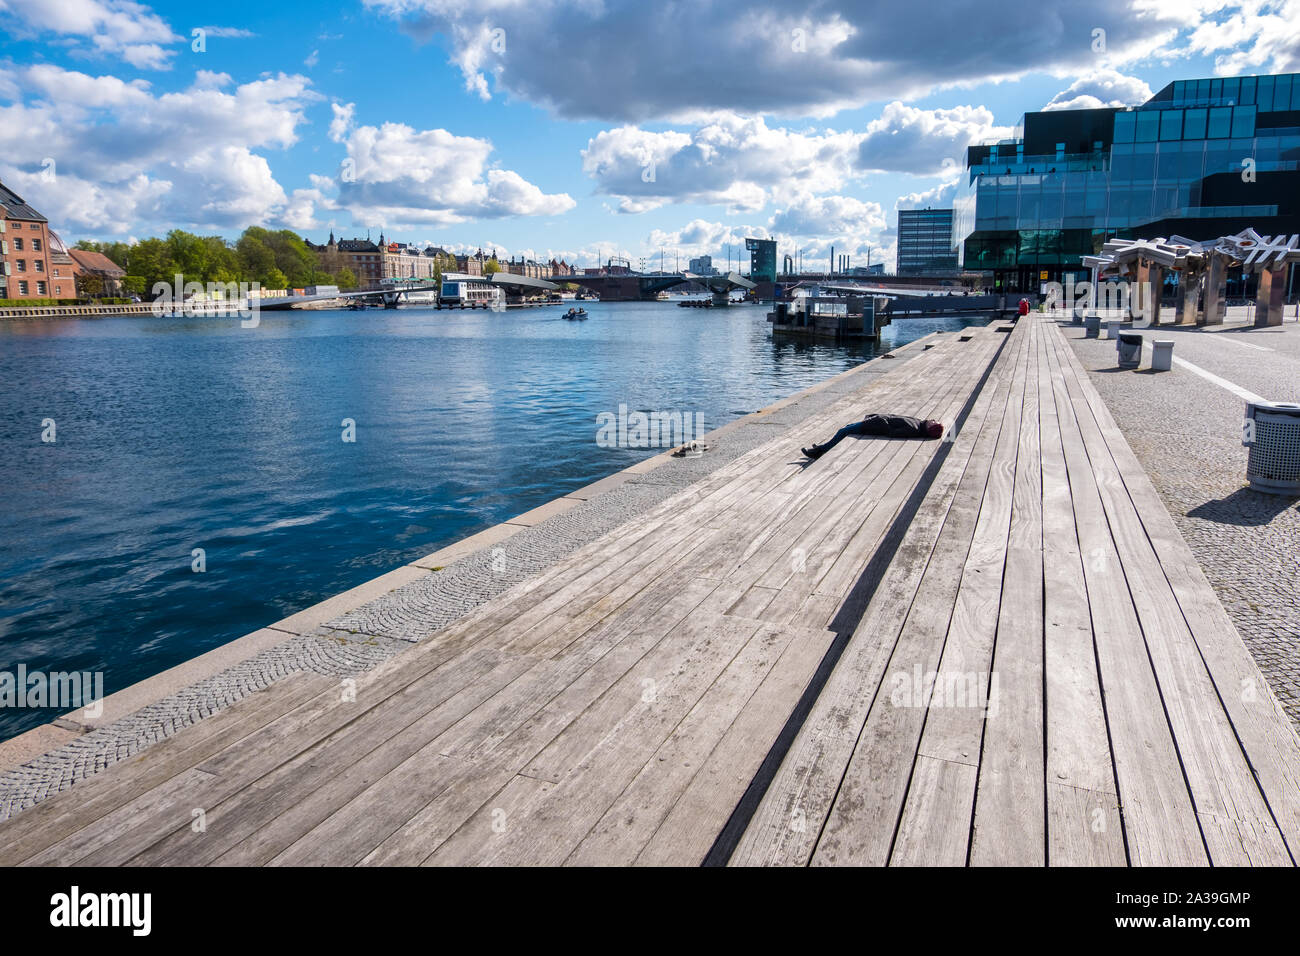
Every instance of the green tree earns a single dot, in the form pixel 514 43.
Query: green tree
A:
pixel 345 279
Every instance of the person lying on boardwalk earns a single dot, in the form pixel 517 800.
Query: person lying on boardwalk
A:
pixel 886 426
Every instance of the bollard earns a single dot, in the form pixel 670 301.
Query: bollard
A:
pixel 1129 346
pixel 1162 355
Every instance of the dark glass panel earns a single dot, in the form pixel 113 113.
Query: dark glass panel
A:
pixel 1124 123
pixel 1194 124
pixel 1171 124
pixel 1148 126
pixel 1243 122
pixel 1220 123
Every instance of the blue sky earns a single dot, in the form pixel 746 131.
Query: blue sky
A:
pixel 574 128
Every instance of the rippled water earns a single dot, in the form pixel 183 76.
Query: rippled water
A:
pixel 176 434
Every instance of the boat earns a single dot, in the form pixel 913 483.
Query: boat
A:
pixel 575 314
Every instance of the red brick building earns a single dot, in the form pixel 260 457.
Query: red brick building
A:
pixel 33 263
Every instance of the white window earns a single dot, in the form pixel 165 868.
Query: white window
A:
pixel 40 288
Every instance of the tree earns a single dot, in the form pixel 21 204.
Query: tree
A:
pixel 345 279
pixel 491 266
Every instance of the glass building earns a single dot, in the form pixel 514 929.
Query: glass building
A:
pixel 925 242
pixel 762 259
pixel 1200 159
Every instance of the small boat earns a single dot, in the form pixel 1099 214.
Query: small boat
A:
pixel 576 315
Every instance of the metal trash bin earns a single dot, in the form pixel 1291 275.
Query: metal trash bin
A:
pixel 1129 347
pixel 1091 326
pixel 1112 329
pixel 1272 434
pixel 1162 355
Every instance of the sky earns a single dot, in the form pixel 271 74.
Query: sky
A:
pixel 574 129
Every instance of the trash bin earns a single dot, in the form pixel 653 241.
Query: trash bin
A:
pixel 1130 350
pixel 1272 433
pixel 1112 329
pixel 1091 326
pixel 1162 355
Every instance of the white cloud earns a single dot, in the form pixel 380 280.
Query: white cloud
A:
pixel 1256 36
pixel 940 197
pixel 117 29
pixel 1101 88
pixel 395 175
pixel 128 160
pixel 925 142
pixel 744 164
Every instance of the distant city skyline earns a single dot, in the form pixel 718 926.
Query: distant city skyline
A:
pixel 452 125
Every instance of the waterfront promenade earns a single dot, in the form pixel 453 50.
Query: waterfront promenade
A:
pixel 745 673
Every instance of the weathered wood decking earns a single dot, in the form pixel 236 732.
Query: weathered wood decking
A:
pixel 634 703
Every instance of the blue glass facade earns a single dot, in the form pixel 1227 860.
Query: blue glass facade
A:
pixel 1201 158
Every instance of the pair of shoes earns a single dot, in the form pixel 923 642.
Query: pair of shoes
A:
pixel 812 452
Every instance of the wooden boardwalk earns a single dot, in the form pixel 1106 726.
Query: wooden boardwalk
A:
pixel 748 673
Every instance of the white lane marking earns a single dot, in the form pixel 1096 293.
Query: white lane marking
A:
pixel 1246 345
pixel 1242 393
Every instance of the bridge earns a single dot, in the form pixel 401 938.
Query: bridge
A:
pixel 644 286
pixel 390 296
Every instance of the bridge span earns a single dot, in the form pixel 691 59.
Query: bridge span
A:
pixel 646 286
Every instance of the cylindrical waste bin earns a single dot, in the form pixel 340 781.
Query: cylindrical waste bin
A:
pixel 1272 433
pixel 1130 349
pixel 1162 355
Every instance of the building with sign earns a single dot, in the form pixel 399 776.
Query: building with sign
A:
pixel 1201 158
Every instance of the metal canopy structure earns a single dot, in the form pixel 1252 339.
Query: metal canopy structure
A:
pixel 1202 267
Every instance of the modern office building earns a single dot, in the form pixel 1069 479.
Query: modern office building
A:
pixel 702 266
pixel 762 259
pixel 925 242
pixel 1200 159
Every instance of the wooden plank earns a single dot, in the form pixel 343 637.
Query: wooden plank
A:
pixel 1159 821
pixel 1010 801
pixel 1083 826
pixel 954 734
pixel 936 823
